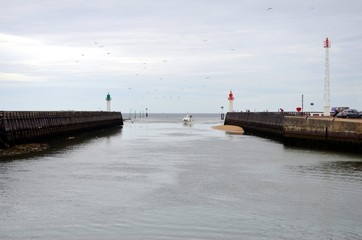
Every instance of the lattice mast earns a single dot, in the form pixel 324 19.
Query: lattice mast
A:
pixel 327 103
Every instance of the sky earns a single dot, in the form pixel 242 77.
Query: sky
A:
pixel 178 56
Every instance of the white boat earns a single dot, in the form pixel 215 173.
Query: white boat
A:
pixel 188 119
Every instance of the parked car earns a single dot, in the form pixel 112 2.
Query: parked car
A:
pixel 349 113
pixel 336 110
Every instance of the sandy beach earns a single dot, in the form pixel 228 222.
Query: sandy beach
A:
pixel 230 129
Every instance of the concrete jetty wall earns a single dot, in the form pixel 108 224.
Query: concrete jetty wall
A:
pixel 305 131
pixel 261 123
pixel 326 133
pixel 17 127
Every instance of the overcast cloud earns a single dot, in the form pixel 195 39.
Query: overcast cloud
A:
pixel 178 55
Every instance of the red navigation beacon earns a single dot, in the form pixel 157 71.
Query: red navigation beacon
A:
pixel 231 96
pixel 231 99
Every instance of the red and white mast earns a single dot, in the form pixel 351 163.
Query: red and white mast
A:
pixel 231 99
pixel 327 104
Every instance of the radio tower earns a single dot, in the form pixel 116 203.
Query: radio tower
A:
pixel 327 104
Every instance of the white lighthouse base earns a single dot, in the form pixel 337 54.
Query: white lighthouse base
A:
pixel 231 109
pixel 326 111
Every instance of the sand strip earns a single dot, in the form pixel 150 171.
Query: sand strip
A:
pixel 230 129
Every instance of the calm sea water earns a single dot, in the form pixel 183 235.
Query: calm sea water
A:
pixel 160 179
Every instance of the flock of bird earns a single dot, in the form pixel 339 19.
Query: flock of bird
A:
pixel 145 66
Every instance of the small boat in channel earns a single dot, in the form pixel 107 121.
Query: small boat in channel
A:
pixel 188 119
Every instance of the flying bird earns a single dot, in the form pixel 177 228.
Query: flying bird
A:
pixel 269 9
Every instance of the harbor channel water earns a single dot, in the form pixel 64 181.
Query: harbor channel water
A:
pixel 158 178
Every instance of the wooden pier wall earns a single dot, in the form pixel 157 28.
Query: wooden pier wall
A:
pixel 304 131
pixel 17 127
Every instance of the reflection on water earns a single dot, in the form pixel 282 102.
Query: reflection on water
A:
pixel 69 142
pixel 345 167
pixel 157 178
pixel 186 124
pixel 335 168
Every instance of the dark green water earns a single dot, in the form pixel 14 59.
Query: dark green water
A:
pixel 160 179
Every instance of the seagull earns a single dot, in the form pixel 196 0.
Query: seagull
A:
pixel 269 9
